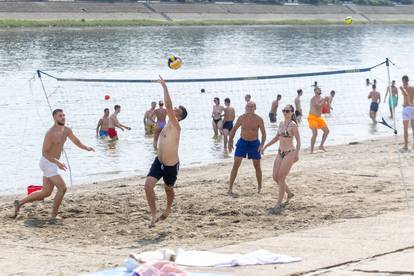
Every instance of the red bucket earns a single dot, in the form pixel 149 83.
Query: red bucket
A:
pixel 33 188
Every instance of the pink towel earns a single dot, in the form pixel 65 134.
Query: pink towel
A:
pixel 159 268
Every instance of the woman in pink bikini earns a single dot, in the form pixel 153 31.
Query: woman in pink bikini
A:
pixel 286 156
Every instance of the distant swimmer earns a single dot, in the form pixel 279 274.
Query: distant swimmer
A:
pixel 103 124
pixel 216 115
pixel 229 116
pixel 298 106
pixel 273 109
pixel 316 121
pixel 375 97
pixel 166 164
pixel 50 164
pixel 114 123
pixel 327 105
pixel 161 115
pixel 286 156
pixel 408 109
pixel 249 144
pixel 247 98
pixel 392 98
pixel 149 119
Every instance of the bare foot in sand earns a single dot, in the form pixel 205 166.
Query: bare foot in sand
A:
pixel 275 210
pixel 152 223
pixel 404 149
pixel 16 204
pixel 164 216
pixel 259 188
pixel 55 219
pixel 322 148
pixel 289 197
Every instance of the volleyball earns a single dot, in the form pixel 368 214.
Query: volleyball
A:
pixel 174 62
pixel 348 20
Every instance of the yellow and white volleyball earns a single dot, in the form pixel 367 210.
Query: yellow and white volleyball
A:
pixel 174 62
pixel 348 20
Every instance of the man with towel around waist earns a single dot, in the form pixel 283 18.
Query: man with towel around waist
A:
pixel 166 164
pixel 249 144
pixel 315 120
pixel 49 163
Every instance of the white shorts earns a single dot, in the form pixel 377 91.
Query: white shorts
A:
pixel 408 113
pixel 48 168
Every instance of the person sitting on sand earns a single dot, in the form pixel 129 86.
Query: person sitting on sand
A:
pixel 166 164
pixel 316 121
pixel 103 123
pixel 286 156
pixel 249 144
pixel 114 123
pixel 375 97
pixel 49 163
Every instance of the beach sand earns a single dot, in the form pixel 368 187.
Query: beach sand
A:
pixel 103 222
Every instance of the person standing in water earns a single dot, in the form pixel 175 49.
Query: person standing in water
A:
pixel 228 118
pixel 166 164
pixel 287 155
pixel 298 105
pixel 327 105
pixel 103 124
pixel 248 145
pixel 273 109
pixel 392 98
pixel 114 123
pixel 375 97
pixel 161 115
pixel 50 164
pixel 216 115
pixel 149 119
pixel 247 98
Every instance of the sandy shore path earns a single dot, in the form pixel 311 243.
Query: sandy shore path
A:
pixel 103 222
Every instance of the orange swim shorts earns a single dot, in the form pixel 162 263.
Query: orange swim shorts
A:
pixel 316 122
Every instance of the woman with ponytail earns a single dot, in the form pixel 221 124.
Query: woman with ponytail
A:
pixel 286 156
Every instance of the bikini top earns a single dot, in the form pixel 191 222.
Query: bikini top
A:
pixel 285 133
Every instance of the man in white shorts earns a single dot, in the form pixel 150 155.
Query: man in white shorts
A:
pixel 49 164
pixel 408 109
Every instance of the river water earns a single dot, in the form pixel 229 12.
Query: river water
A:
pixel 140 53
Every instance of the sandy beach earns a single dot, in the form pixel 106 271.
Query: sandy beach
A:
pixel 102 222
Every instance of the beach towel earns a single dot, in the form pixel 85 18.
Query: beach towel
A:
pixel 159 268
pixel 212 259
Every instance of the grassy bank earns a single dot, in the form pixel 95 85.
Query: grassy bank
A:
pixel 12 23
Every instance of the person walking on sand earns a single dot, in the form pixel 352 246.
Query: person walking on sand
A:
pixel 114 123
pixel 408 109
pixel 316 121
pixel 166 164
pixel 228 118
pixel 249 144
pixel 392 98
pixel 161 115
pixel 287 155
pixel 216 115
pixel 375 97
pixel 298 106
pixel 273 109
pixel 149 119
pixel 103 123
pixel 50 164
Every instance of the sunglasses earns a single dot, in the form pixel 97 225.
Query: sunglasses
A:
pixel 286 111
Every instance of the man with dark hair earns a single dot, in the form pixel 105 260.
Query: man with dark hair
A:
pixel 228 118
pixel 217 114
pixel 114 123
pixel 149 119
pixel 273 109
pixel 408 109
pixel 315 119
pixel 161 115
pixel 103 123
pixel 298 106
pixel 166 164
pixel 375 97
pixel 49 164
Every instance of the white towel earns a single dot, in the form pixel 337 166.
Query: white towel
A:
pixel 206 258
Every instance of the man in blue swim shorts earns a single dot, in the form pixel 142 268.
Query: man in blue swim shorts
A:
pixel 103 124
pixel 249 144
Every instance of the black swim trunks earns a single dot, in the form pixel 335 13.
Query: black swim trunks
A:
pixel 228 125
pixel 168 173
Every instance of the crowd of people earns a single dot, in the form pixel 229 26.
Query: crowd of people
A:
pixel 249 145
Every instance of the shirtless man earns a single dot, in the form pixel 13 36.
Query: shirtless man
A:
pixel 273 109
pixel 248 98
pixel 375 97
pixel 248 144
pixel 166 164
pixel 392 98
pixel 161 115
pixel 216 115
pixel 315 120
pixel 327 105
pixel 229 116
pixel 103 123
pixel 149 119
pixel 49 163
pixel 298 106
pixel 408 109
pixel 114 123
